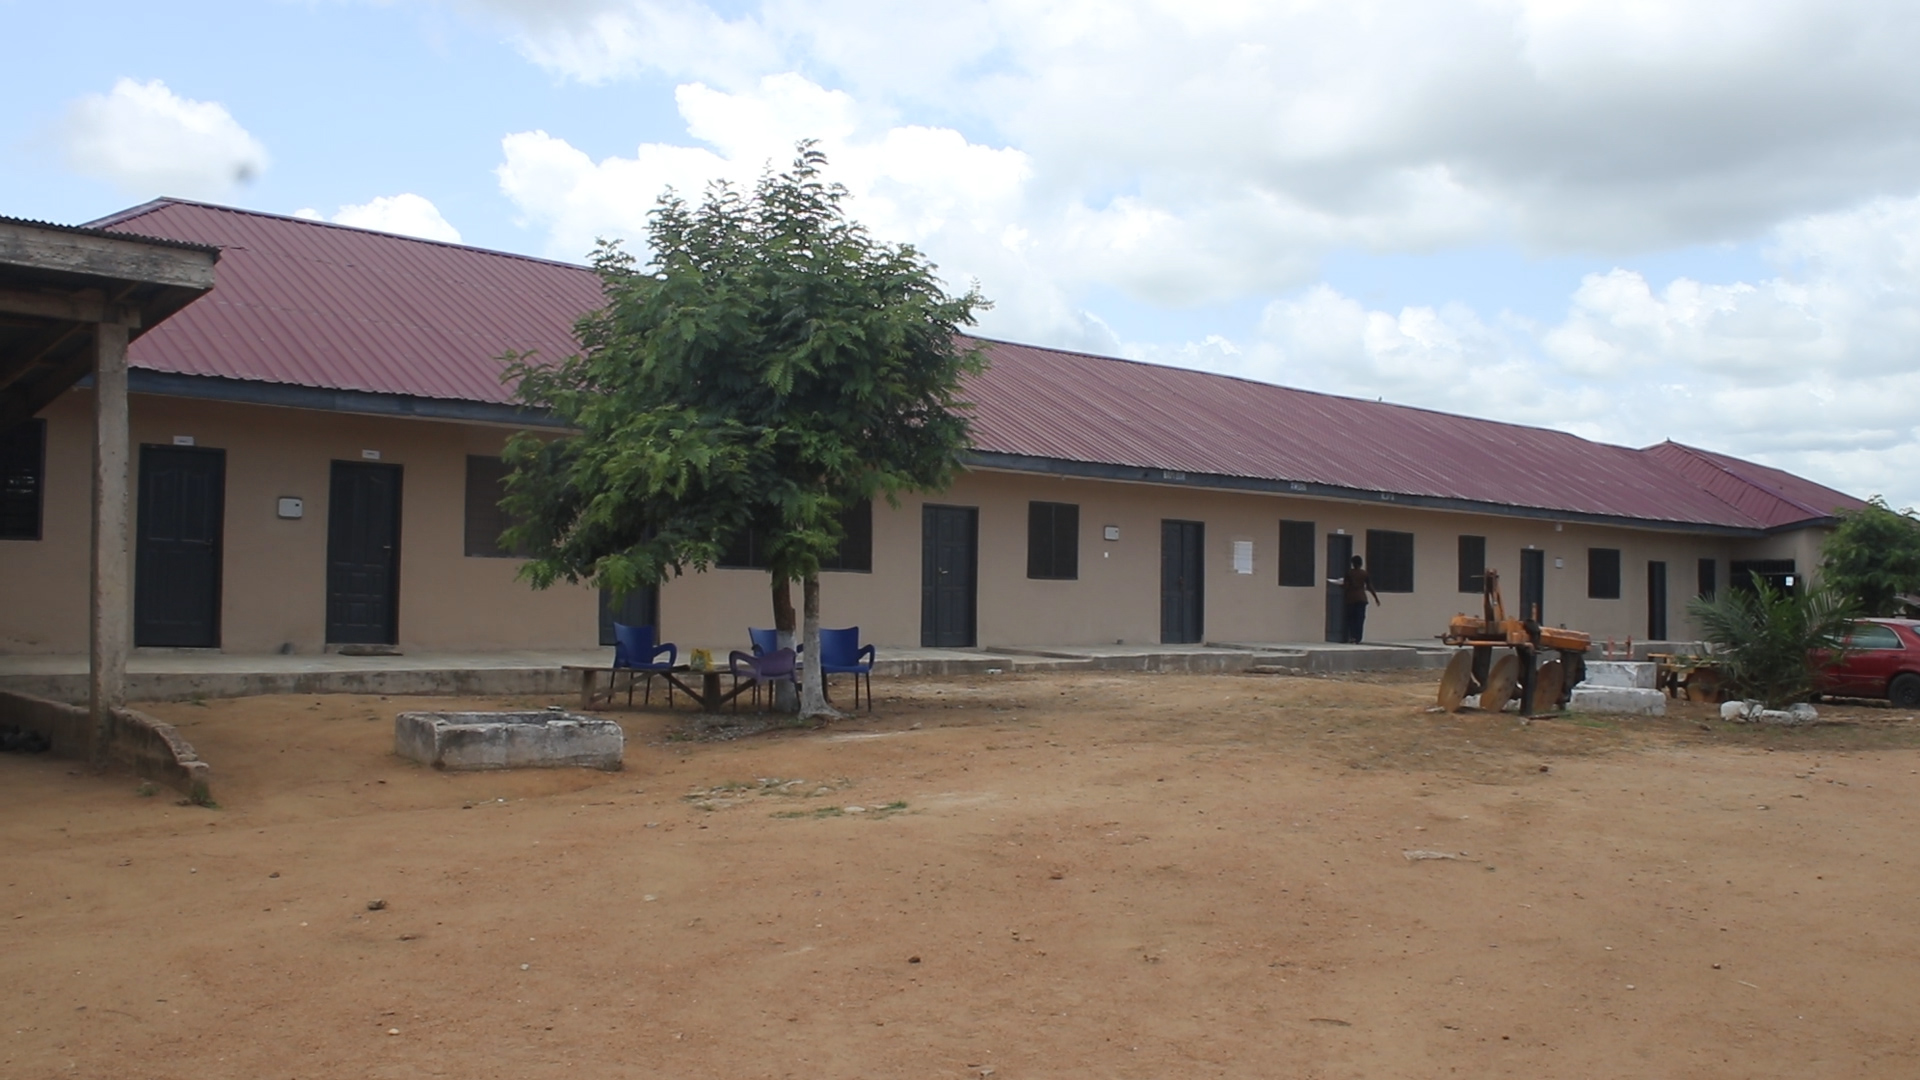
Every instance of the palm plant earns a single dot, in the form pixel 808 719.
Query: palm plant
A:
pixel 1772 643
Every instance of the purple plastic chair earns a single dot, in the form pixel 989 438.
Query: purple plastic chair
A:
pixel 766 641
pixel 634 650
pixel 773 667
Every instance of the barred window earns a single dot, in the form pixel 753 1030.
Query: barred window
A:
pixel 1296 554
pixel 749 549
pixel 23 460
pixel 1473 564
pixel 1603 573
pixel 1390 560
pixel 486 486
pixel 1053 541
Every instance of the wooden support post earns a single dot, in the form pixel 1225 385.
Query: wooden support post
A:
pixel 109 632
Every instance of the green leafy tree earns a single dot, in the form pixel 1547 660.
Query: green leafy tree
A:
pixel 1874 557
pixel 772 365
pixel 1770 642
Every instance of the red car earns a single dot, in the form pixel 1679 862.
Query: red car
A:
pixel 1882 661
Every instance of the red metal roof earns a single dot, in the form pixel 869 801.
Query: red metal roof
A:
pixel 1049 403
pixel 313 304
pixel 1770 496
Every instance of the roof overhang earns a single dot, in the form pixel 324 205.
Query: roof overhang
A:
pixel 324 399
pixel 57 283
pixel 364 403
pixel 982 460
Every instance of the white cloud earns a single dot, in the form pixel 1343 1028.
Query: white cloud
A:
pixel 1390 125
pixel 1814 370
pixel 406 214
pixel 596 41
pixel 962 202
pixel 148 140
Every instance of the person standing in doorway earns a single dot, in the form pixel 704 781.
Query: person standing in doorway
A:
pixel 1355 587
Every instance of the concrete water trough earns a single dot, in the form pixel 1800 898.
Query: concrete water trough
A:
pixel 508 740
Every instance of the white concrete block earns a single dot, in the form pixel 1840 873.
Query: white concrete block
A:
pixel 1631 701
pixel 1620 673
pixel 508 740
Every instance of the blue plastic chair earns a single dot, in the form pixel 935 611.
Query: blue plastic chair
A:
pixel 840 654
pixel 765 642
pixel 634 651
pixel 767 669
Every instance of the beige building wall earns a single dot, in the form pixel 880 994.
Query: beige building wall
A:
pixel 273 596
pixel 1117 595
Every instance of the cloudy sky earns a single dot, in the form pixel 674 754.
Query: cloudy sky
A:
pixel 1631 219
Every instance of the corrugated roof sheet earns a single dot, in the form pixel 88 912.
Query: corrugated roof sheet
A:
pixel 1772 497
pixel 314 304
pixel 1050 403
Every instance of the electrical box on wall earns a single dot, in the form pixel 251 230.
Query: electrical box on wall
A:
pixel 1111 532
pixel 291 508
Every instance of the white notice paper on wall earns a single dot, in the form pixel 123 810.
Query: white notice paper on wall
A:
pixel 1243 556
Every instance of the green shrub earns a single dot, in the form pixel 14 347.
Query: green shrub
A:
pixel 1766 639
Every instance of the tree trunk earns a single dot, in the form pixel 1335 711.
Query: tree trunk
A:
pixel 784 699
pixel 813 687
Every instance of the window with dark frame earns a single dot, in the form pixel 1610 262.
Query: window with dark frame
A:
pixel 1053 541
pixel 1709 578
pixel 1473 564
pixel 856 541
pixel 1297 543
pixel 748 551
pixel 1603 573
pixel 1778 573
pixel 23 460
pixel 1390 560
pixel 486 486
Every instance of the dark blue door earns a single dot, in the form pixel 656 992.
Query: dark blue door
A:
pixel 1339 554
pixel 949 555
pixel 363 554
pixel 1533 584
pixel 1656 601
pixel 176 583
pixel 1182 582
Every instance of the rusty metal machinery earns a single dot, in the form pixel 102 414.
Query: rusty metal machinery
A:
pixel 1531 672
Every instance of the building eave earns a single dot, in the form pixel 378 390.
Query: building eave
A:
pixel 989 461
pixel 363 403
pixel 323 399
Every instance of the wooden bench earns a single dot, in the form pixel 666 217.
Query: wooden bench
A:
pixel 708 694
pixel 590 682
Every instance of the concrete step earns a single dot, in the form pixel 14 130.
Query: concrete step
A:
pixel 1619 673
pixel 1619 700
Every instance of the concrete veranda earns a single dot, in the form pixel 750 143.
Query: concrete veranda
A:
pixel 188 674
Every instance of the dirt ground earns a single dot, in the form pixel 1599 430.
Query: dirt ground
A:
pixel 1045 876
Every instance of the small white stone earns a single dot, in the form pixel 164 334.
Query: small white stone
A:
pixel 526 967
pixel 393 1031
pixel 856 809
